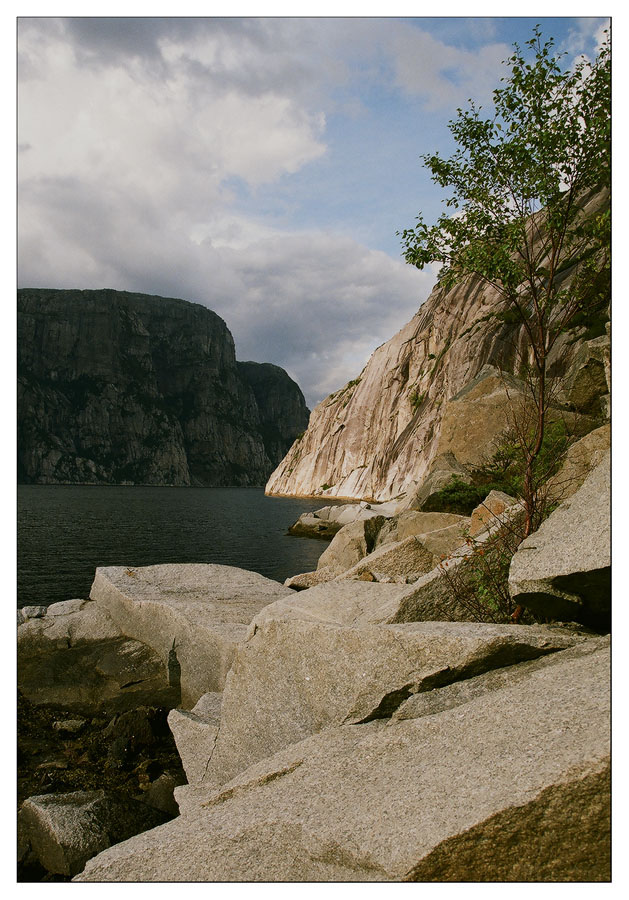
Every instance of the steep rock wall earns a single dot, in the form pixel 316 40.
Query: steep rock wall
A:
pixel 119 387
pixel 378 437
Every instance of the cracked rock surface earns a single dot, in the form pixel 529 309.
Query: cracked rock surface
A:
pixel 294 678
pixel 448 796
pixel 204 609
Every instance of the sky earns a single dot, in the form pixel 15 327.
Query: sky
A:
pixel 259 166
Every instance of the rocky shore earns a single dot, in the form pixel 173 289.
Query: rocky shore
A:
pixel 203 723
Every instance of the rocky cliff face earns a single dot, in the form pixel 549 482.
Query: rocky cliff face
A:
pixel 115 387
pixel 433 398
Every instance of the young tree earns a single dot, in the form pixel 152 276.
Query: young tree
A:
pixel 519 181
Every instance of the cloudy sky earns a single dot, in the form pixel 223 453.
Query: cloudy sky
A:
pixel 260 166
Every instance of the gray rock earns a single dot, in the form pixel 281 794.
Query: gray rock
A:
pixel 160 794
pixel 310 579
pixel 65 830
pixel 33 612
pixel 408 557
pixel 563 570
pixel 351 544
pixel 337 603
pixel 66 624
pixel 93 676
pixel 412 522
pixel 195 733
pixel 443 468
pixel 328 521
pixel 205 609
pixel 65 607
pixel 458 693
pixel 294 678
pixel 510 786
pixel 588 379
pixel 69 726
pixel 581 457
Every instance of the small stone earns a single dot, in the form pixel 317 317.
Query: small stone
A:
pixel 69 726
pixel 33 612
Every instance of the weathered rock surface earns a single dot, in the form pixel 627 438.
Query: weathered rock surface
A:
pixel 294 678
pixel 306 580
pixel 351 544
pixel 588 380
pixel 195 733
pixel 328 521
pixel 76 658
pixel 494 504
pixel 411 557
pixel 563 570
pixel 204 609
pixel 442 470
pixel 454 795
pixel 411 522
pixel 337 603
pixel 121 387
pixel 582 456
pixel 65 830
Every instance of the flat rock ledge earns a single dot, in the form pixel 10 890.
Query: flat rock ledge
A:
pixel 511 784
pixel 202 610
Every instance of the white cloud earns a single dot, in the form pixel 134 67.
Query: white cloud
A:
pixel 143 139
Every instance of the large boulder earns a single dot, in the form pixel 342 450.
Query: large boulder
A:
pixel 65 830
pixel 293 678
pixel 512 785
pixel 587 381
pixel 581 457
pixel 65 624
pixel 351 544
pixel 410 557
pixel 306 580
pixel 199 611
pixel 441 471
pixel 487 512
pixel 563 570
pixel 75 657
pixel 337 603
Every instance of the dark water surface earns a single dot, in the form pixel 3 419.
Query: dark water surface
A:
pixel 65 531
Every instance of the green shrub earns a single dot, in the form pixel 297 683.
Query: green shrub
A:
pixel 416 399
pixel 480 584
pixel 456 497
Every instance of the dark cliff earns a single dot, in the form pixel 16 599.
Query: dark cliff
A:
pixel 116 387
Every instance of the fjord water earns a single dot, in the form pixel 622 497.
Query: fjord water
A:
pixel 66 531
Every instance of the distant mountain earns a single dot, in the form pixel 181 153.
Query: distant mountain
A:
pixel 116 387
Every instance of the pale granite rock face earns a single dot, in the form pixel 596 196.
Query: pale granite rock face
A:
pixel 411 522
pixel 563 570
pixel 204 609
pixel 455 795
pixel 442 388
